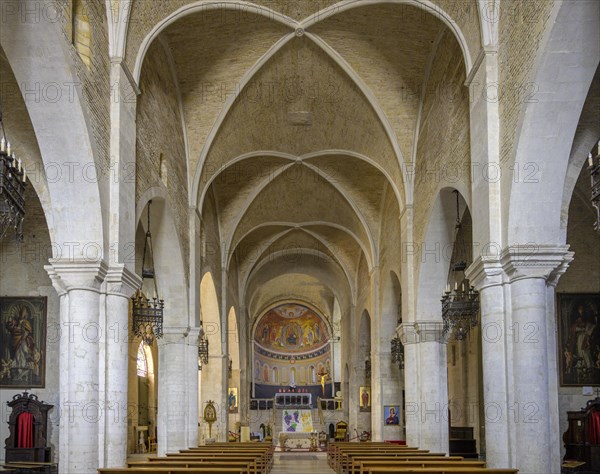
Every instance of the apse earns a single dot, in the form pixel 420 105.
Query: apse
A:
pixel 292 351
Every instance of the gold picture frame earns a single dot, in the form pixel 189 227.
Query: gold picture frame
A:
pixel 364 399
pixel 23 342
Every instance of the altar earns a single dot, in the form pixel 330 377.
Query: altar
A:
pixel 289 441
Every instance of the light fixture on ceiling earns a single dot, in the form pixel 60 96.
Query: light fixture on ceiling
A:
pixel 594 167
pixel 460 301
pixel 13 181
pixel 202 348
pixel 148 312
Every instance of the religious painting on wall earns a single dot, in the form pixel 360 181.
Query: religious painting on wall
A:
pixel 22 342
pixel 391 414
pixel 365 399
pixel 292 352
pixel 232 400
pixel 579 338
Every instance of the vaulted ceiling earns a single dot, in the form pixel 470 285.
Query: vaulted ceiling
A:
pixel 294 137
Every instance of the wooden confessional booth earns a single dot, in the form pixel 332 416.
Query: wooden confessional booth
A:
pixel 582 439
pixel 28 429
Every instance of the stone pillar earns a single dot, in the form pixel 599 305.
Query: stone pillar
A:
pixel 377 421
pixel 63 295
pixel 121 284
pixel 427 385
pixel 408 336
pixel 487 276
pixel 81 407
pixel 192 377
pixel 433 385
pixel 172 390
pixel 534 410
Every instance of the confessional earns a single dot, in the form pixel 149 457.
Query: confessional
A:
pixel 582 439
pixel 28 429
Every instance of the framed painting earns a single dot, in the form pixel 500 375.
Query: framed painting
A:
pixel 232 400
pixel 391 414
pixel 23 342
pixel 365 399
pixel 579 339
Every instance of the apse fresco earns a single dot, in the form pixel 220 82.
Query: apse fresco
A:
pixel 292 329
pixel 291 347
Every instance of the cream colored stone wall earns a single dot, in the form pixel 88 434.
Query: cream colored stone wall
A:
pixel 522 26
pixel 160 142
pixel 443 153
pixel 22 274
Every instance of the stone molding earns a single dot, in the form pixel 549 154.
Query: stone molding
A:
pixel 535 261
pixel 422 331
pixel 70 275
pixel 485 272
pixel 519 262
pixel 121 281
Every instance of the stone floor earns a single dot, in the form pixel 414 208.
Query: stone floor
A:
pixel 301 463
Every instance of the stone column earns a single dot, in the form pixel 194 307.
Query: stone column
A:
pixel 377 421
pixel 120 285
pixel 172 390
pixel 63 360
pixel 487 276
pixel 192 377
pixel 533 412
pixel 433 384
pixel 408 335
pixel 81 407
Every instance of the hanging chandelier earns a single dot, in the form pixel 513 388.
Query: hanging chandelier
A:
pixel 148 312
pixel 398 352
pixel 13 181
pixel 594 167
pixel 202 348
pixel 460 301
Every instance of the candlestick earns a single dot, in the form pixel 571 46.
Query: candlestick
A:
pixel 2 145
pixel 8 148
pixel 19 167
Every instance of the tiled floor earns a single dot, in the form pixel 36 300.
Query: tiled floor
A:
pixel 301 463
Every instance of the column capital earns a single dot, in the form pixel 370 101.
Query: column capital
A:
pixel 485 272
pixel 73 274
pixel 535 261
pixel 121 282
pixel 422 331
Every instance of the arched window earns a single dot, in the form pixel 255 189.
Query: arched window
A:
pixel 313 374
pixel 275 375
pixel 142 362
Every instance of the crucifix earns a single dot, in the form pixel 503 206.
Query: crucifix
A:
pixel 323 375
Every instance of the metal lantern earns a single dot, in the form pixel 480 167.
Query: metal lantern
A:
pixel 398 352
pixel 13 181
pixel 460 301
pixel 148 312
pixel 202 348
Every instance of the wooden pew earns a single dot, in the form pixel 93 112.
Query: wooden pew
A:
pixel 247 467
pixel 171 470
pixel 361 467
pixel 439 470
pixel 262 461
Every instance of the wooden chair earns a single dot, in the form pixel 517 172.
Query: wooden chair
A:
pixel 341 429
